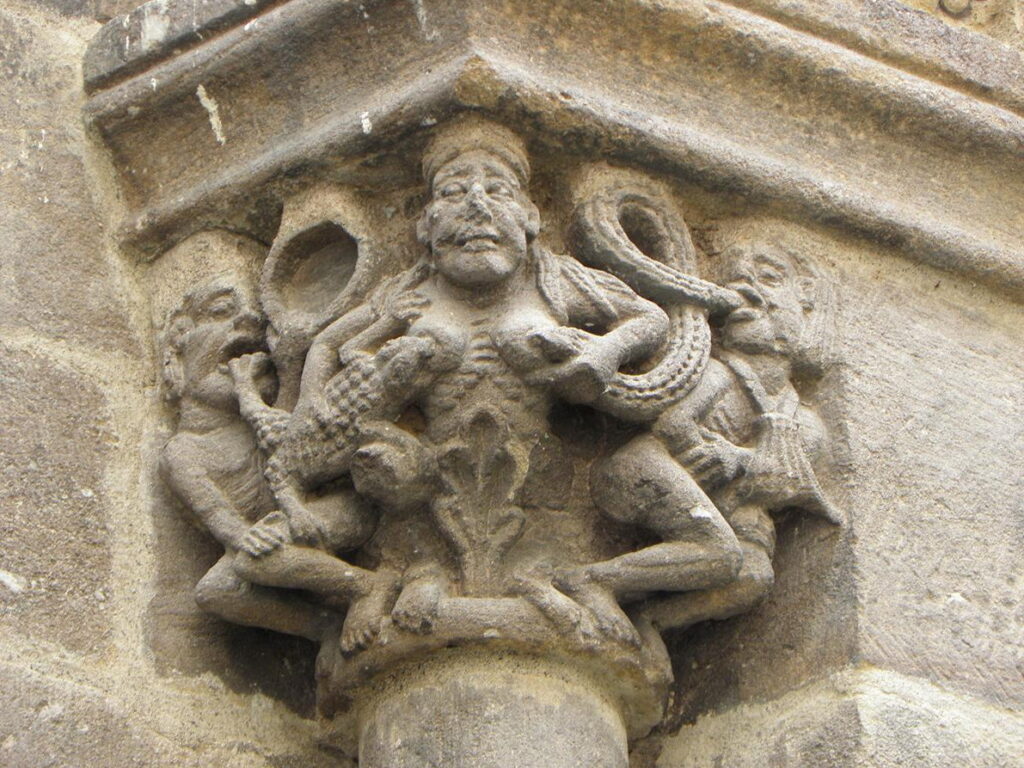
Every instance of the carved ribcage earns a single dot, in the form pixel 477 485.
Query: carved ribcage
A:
pixel 482 362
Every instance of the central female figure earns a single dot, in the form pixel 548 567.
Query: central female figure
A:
pixel 435 396
pixel 488 332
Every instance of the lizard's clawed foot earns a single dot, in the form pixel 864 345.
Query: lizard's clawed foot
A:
pixel 611 620
pixel 247 369
pixel 565 613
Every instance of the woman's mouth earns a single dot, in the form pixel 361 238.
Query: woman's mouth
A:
pixel 477 240
pixel 479 244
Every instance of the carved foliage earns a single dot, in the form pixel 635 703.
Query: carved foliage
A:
pixel 475 510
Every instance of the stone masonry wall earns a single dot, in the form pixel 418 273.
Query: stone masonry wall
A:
pixel 78 541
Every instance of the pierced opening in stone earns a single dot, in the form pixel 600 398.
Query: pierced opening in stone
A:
pixel 645 230
pixel 315 266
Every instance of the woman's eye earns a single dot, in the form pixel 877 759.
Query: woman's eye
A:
pixel 499 190
pixel 451 190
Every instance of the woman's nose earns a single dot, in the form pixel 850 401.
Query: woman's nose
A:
pixel 476 198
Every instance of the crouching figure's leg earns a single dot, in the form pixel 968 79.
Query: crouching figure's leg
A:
pixel 223 592
pixel 643 485
pixel 276 556
pixel 755 530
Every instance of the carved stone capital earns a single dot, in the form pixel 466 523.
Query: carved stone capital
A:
pixel 531 364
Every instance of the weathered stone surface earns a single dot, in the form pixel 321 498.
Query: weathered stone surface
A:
pixel 53 723
pixel 98 10
pixel 912 723
pixel 182 637
pixel 491 713
pixel 185 640
pixel 55 278
pixel 861 719
pixel 56 438
pixel 908 38
pixel 40 86
pixel 883 29
pixel 816 727
pixel 935 404
pixel 105 10
pixel 999 19
pixel 930 391
pixel 383 510
pixel 630 98
pixel 804 631
pixel 150 32
pixel 883 122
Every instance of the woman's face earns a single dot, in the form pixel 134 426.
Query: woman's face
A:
pixel 479 221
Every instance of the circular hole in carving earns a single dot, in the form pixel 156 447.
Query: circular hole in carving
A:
pixel 315 267
pixel 645 232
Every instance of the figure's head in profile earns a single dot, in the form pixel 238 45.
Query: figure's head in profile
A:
pixel 786 302
pixel 213 324
pixel 479 222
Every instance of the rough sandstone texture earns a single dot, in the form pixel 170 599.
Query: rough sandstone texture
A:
pixel 1002 20
pixel 57 441
pixel 898 643
pixel 90 679
pixel 56 280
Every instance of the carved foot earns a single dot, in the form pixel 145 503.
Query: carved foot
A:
pixel 611 620
pixel 417 605
pixel 567 615
pixel 366 615
pixel 326 625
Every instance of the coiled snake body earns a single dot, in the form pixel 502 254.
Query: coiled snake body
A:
pixel 635 234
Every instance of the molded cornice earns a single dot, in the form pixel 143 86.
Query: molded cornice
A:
pixel 878 121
